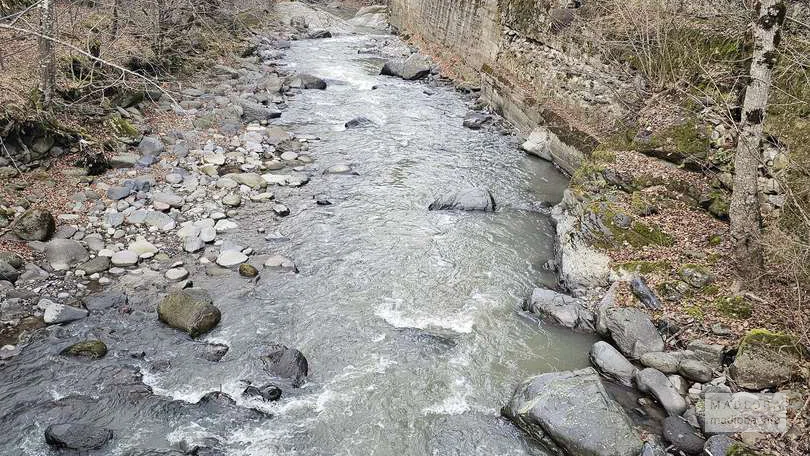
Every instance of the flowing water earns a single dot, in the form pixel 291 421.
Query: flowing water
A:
pixel 409 319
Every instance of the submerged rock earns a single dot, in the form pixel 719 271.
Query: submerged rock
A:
pixel 572 411
pixel 471 199
pixel 88 349
pixel 286 363
pixel 358 122
pixel 562 309
pixel 267 393
pixel 190 310
pixel 476 120
pixel 77 436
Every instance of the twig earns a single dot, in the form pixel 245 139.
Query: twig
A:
pixel 3 144
pixel 94 58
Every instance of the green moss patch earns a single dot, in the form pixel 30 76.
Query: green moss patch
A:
pixel 616 228
pixel 734 307
pixel 780 341
pixel 646 267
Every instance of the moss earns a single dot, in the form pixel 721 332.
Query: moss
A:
pixel 122 127
pixel 734 307
pixel 774 340
pixel 738 449
pixel 88 349
pixel 646 267
pixel 676 143
pixel 642 204
pixel 715 240
pixel 588 174
pixel 635 233
pixel 603 156
pixel 694 311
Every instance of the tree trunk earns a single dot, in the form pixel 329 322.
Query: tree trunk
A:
pixel 746 219
pixel 114 26
pixel 47 63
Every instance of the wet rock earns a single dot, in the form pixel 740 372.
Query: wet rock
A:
pixel 562 309
pixel 93 349
pixel 214 352
pixel 695 370
pixel 476 121
pixel 248 270
pixel 286 363
pixel 471 199
pixel 657 384
pixel 77 436
pixel 319 34
pixel 683 436
pixel 572 411
pixel 106 300
pixel 35 225
pixel 280 263
pixel 611 363
pixel 267 393
pixel 414 67
pixel 358 122
pixel 633 332
pixel 230 258
pixel 339 169
pixel 718 445
pixel 766 360
pixel 644 294
pixel 306 81
pixel 63 254
pixel 56 313
pixel 281 210
pixel 190 310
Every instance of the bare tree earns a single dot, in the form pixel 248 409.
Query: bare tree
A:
pixel 746 219
pixel 47 60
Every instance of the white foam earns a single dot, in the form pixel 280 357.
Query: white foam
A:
pixel 461 322
pixel 455 403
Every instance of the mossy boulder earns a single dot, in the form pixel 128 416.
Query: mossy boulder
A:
pixel 717 202
pixel 248 270
pixel 766 359
pixel 607 227
pixel 190 310
pixel 35 225
pixel 93 349
pixel 687 144
pixel 695 275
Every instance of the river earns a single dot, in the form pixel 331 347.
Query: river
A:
pixel 409 318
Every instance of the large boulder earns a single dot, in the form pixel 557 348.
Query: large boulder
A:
pixel 655 383
pixel 77 436
pixel 414 67
pixel 471 199
pixel 611 363
pixel 305 81
pixel 286 363
pixel 63 254
pixel 766 360
pixel 633 331
pixel 562 309
pixel 190 310
pixel 35 225
pixel 374 16
pixel 572 411
pixel 86 349
pixel 580 265
pixel 257 112
pixel 543 143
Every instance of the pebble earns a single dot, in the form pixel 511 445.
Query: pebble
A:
pixel 281 210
